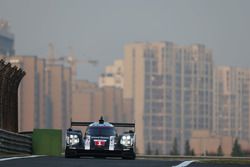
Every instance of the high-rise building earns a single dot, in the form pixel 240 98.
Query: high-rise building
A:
pixel 58 96
pixel 113 75
pixel 232 102
pixel 82 101
pixel 90 102
pixel 45 94
pixel 6 39
pixel 171 89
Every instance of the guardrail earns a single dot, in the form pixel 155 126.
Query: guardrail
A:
pixel 13 143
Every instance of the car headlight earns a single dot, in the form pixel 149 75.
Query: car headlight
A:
pixel 67 139
pixel 72 139
pixel 126 140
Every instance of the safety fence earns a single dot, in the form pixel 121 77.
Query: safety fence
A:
pixel 14 143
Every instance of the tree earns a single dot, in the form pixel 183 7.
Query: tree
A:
pixel 220 151
pixel 149 152
pixel 192 152
pixel 236 151
pixel 156 152
pixel 174 150
pixel 187 148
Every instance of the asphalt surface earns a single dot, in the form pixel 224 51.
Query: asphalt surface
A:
pixel 88 162
pixel 109 162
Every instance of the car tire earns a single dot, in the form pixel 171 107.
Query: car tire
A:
pixel 131 156
pixel 70 154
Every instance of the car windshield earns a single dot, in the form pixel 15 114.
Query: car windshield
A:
pixel 101 131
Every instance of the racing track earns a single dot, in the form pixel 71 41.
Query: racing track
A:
pixel 86 162
pixel 91 162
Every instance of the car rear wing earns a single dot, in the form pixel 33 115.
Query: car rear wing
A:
pixel 81 123
pixel 123 125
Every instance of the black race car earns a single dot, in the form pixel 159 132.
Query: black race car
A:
pixel 100 140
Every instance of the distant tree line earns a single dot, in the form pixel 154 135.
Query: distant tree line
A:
pixel 188 150
pixel 236 150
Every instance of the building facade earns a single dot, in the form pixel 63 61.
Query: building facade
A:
pixel 82 100
pixel 113 75
pixel 171 87
pixel 44 94
pixel 90 102
pixel 58 92
pixel 232 102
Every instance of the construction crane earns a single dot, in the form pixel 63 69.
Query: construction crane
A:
pixel 73 61
pixel 70 59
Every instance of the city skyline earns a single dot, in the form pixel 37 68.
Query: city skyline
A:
pixel 88 25
pixel 167 71
pixel 172 92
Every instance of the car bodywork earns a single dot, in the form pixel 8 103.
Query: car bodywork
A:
pixel 101 140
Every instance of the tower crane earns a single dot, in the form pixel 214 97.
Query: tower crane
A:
pixel 69 59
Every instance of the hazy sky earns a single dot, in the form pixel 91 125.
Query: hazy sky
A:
pixel 98 29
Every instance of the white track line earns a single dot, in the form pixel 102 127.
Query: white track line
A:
pixel 184 164
pixel 12 158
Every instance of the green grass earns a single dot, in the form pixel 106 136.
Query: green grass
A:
pixel 47 142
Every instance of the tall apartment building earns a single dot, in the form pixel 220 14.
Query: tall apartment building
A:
pixel 45 94
pixel 113 75
pixel 232 102
pixel 6 39
pixel 82 101
pixel 90 102
pixel 171 90
pixel 58 96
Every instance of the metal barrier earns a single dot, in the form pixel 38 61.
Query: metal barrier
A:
pixel 13 143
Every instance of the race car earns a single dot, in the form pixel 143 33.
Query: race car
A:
pixel 101 140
